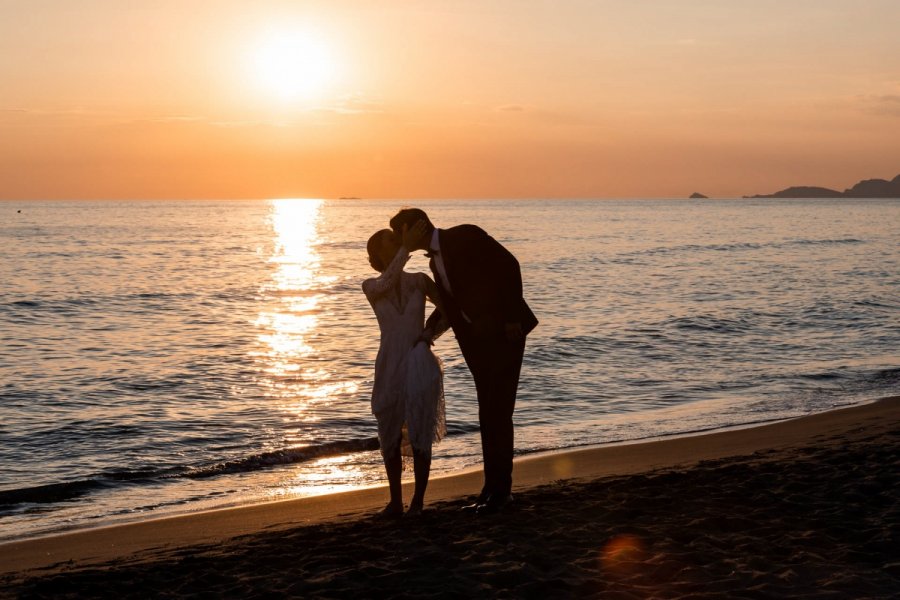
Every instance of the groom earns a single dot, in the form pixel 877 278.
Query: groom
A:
pixel 481 292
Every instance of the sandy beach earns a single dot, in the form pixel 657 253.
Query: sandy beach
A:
pixel 802 508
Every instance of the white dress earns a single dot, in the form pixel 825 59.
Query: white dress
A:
pixel 408 393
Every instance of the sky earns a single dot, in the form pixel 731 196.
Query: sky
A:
pixel 103 99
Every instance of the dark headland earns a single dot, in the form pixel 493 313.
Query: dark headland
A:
pixel 867 188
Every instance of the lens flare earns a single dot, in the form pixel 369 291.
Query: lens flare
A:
pixel 621 551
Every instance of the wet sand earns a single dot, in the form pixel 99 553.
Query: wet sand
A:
pixel 802 508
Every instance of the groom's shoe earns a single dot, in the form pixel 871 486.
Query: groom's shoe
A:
pixel 480 501
pixel 496 503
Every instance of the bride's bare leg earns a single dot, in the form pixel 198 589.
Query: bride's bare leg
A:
pixel 394 466
pixel 421 468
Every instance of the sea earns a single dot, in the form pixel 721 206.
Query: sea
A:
pixel 165 357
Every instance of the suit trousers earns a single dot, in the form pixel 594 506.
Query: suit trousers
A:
pixel 495 363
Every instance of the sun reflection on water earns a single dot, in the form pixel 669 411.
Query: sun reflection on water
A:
pixel 290 317
pixel 327 475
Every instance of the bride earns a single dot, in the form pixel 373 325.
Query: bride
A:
pixel 408 395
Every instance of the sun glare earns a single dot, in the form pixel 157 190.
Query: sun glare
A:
pixel 293 65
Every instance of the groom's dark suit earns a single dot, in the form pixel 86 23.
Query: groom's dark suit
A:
pixel 485 295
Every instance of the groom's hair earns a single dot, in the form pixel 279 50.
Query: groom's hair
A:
pixel 409 217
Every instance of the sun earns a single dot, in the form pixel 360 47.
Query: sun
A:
pixel 293 65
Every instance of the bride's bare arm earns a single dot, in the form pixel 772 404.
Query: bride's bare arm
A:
pixel 379 286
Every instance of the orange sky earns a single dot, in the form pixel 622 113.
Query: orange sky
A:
pixel 456 98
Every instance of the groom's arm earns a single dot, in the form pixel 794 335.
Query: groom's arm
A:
pixel 437 322
pixel 435 325
pixel 500 277
pixel 510 304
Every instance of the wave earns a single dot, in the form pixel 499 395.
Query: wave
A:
pixel 891 374
pixel 823 242
pixel 566 348
pixel 25 303
pixel 284 457
pixel 344 245
pixel 847 381
pixel 60 492
pixel 64 305
pixel 709 323
pixel 50 493
pixel 743 246
pixel 877 303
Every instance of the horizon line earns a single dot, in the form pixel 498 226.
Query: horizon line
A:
pixel 417 199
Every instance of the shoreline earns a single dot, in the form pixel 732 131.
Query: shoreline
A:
pixel 316 492
pixel 147 540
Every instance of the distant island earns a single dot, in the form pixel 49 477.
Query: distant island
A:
pixel 867 188
pixel 698 195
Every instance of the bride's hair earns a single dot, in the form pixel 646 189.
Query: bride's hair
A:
pixel 374 245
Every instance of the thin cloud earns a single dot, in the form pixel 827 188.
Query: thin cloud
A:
pixel 246 123
pixel 884 105
pixel 353 104
pixel 178 119
pixel 60 112
pixel 511 108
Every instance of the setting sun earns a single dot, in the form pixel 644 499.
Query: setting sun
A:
pixel 293 65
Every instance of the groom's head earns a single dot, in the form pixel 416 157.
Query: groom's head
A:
pixel 409 217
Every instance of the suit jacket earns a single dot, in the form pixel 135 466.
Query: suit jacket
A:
pixel 485 281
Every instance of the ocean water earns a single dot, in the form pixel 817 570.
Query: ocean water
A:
pixel 158 358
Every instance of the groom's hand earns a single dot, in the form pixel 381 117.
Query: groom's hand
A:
pixel 414 236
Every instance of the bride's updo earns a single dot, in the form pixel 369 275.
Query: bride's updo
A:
pixel 381 248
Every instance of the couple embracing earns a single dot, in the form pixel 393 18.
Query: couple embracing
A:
pixel 477 292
